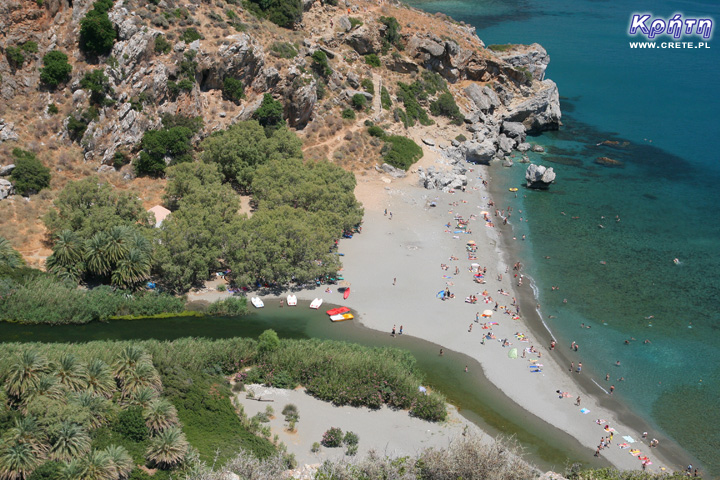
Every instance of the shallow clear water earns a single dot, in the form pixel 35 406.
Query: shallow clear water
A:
pixel 664 104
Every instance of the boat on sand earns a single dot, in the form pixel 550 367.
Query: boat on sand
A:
pixel 316 303
pixel 257 302
pixel 342 317
pixel 291 300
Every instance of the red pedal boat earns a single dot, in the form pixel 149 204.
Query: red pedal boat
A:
pixel 338 311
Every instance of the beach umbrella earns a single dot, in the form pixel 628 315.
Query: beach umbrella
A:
pixel 471 242
pixel 512 353
pixel 487 313
pixel 474 265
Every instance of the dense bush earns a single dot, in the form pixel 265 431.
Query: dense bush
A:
pixel 98 84
pixel 283 50
pixel 368 86
pixel 97 33
pixel 10 258
pixel 320 63
pixel 172 142
pixel 270 113
pixel 392 32
pixel 52 109
pixel 228 307
pixel 409 95
pixel 284 13
pixel 359 101
pixel 348 114
pixel 30 175
pixel 162 46
pixel 402 151
pixel 77 124
pixel 14 56
pixel 56 69
pixel 332 438
pixel 190 35
pixel 130 423
pixel 375 131
pixel 372 60
pixel 354 22
pixel 445 105
pixel 233 89
pixel 461 138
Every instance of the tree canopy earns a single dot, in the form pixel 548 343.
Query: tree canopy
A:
pixel 240 149
pixel 56 68
pixel 30 175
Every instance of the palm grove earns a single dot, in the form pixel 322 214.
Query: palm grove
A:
pixel 104 236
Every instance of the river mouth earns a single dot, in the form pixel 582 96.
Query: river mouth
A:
pixel 476 397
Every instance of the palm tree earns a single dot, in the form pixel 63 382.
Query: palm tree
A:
pixel 47 386
pixel 69 372
pixel 96 256
pixel 160 415
pixel 28 432
pixel 99 379
pixel 71 441
pixel 98 465
pixel 144 375
pixel 128 359
pixel 98 407
pixel 143 397
pixel 167 449
pixel 17 460
pixel 121 460
pixel 25 372
pixel 118 239
pixel 9 257
pixel 67 256
pixel 73 470
pixel 132 269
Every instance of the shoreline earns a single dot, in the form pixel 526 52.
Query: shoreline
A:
pixel 589 434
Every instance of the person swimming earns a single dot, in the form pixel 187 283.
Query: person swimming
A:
pixel 676 261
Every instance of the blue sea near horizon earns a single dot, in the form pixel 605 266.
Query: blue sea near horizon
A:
pixel 661 106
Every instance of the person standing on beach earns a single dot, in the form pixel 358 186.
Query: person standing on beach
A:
pixel 394 280
pixel 577 402
pixel 579 369
pixel 552 345
pixel 400 329
pixel 393 331
pixel 572 366
pixel 477 317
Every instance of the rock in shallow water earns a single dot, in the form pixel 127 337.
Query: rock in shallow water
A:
pixel 538 176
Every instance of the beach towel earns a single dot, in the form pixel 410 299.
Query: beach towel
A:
pixel 629 439
pixel 634 452
pixel 584 410
pixel 624 445
pixel 599 421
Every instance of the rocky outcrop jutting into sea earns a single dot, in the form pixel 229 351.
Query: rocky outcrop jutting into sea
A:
pixel 539 176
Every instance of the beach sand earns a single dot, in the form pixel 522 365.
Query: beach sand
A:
pixel 394 269
pixel 388 432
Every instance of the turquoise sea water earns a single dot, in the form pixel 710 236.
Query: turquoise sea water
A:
pixel 664 103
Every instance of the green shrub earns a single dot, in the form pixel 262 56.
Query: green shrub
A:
pixel 429 407
pixel 402 151
pixel 98 84
pixel 392 32
pixel 376 131
pixel 284 13
pixel 461 138
pixel 270 113
pixel 14 56
pixel 359 101
pixel 332 438
pixel 190 35
pixel 120 159
pixel 283 50
pixel 30 47
pixel 368 86
pixel 52 109
pixel 30 175
pixel 409 95
pixel 385 100
pixel 173 143
pixel 50 470
pixel 348 114
pixel 130 424
pixel 162 46
pixel 351 450
pixel 315 447
pixel 372 60
pixel 320 63
pixel 228 307
pixel 76 126
pixel 56 68
pixel 351 438
pixel 445 105
pixel 233 89
pixel 97 33
pixel 354 22
pixel 268 341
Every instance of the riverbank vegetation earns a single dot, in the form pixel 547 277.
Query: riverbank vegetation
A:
pixel 167 405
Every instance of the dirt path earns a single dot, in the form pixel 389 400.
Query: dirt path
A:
pixel 377 104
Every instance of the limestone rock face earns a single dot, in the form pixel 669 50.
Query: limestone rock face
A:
pixel 514 130
pixel 6 188
pixel 540 112
pixel 442 180
pixel 343 23
pixel 479 152
pixel 300 105
pixel 533 57
pixel 538 176
pixel 365 40
pixel 477 94
pixel 7 170
pixel 393 171
pixel 240 57
pixel 7 131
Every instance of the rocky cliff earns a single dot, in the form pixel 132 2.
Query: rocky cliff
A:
pixel 171 57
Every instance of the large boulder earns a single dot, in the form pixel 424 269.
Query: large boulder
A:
pixel 533 58
pixel 479 152
pixel 300 105
pixel 538 176
pixel 514 130
pixel 240 57
pixel 482 101
pixel 7 170
pixel 6 188
pixel 365 40
pixel 7 131
pixel 540 112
